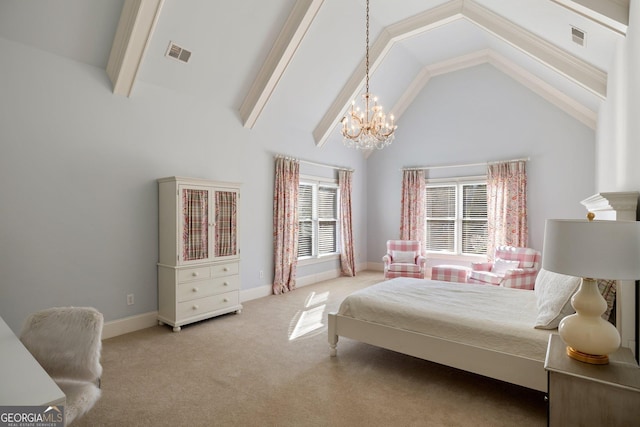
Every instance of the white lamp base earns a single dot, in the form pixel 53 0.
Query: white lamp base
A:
pixel 589 337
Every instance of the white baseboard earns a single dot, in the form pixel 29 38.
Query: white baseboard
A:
pixel 255 293
pixel 266 290
pixel 146 320
pixel 129 324
pixel 375 266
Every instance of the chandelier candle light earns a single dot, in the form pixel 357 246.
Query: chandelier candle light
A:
pixel 367 129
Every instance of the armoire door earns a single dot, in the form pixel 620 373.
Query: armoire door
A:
pixel 226 224
pixel 195 224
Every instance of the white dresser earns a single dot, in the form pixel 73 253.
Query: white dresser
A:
pixel 199 256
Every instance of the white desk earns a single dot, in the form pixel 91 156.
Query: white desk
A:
pixel 23 382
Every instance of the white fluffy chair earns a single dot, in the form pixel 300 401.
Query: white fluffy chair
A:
pixel 67 342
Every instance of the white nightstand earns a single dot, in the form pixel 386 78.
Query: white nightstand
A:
pixel 581 394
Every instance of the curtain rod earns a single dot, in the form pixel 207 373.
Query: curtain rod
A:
pixel 307 162
pixel 525 159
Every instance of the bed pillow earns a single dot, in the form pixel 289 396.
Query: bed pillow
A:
pixel 500 266
pixel 404 256
pixel 553 295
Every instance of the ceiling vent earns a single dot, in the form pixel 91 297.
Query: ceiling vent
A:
pixel 578 36
pixel 176 52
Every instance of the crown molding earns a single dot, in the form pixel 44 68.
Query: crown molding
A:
pixel 619 201
pixel 283 50
pixel 575 69
pixel 423 77
pixel 133 35
pixel 556 97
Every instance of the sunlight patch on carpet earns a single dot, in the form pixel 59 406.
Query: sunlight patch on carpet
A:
pixel 306 322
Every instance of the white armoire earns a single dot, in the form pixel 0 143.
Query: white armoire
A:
pixel 198 254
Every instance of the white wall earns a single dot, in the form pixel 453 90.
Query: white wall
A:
pixel 478 115
pixel 78 170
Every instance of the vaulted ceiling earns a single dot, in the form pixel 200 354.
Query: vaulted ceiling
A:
pixel 304 60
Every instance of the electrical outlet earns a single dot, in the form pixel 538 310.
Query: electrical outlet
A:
pixel 261 274
pixel 130 299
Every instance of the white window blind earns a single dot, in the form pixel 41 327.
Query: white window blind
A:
pixel 318 219
pixel 305 219
pixel 456 217
pixel 441 218
pixel 327 219
pixel 474 219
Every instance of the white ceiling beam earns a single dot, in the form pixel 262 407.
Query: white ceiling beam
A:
pixel 577 70
pixel 613 14
pixel 133 35
pixel 556 97
pixel 283 50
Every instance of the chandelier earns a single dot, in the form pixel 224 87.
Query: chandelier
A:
pixel 367 129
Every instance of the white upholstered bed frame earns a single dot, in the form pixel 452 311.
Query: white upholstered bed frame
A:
pixel 511 368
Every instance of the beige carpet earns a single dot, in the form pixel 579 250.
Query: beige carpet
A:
pixel 244 370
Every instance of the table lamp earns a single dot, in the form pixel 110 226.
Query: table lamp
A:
pixel 591 250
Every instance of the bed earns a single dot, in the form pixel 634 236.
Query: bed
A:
pixel 487 330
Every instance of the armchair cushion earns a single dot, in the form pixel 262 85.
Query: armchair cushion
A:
pixel 403 256
pixel 500 266
pixel 404 267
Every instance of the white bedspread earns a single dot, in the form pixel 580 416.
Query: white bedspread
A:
pixel 493 317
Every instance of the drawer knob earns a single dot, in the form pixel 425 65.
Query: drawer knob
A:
pixel 226 300
pixel 195 289
pixel 195 307
pixel 225 284
pixel 194 274
pixel 225 269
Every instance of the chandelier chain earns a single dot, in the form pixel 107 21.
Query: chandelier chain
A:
pixel 368 128
pixel 367 50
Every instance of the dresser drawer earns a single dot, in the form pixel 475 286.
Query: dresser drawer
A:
pixel 205 288
pixel 226 269
pixel 197 273
pixel 207 304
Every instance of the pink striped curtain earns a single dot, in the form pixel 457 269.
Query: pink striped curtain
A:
pixel 412 216
pixel 285 224
pixel 507 205
pixel 347 259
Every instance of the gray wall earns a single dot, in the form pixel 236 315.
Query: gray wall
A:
pixel 477 115
pixel 78 169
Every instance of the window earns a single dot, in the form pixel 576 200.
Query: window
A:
pixel 318 218
pixel 456 217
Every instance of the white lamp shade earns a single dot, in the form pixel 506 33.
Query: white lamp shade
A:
pixel 594 249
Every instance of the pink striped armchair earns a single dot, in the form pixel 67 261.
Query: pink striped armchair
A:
pixel 404 259
pixel 512 268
